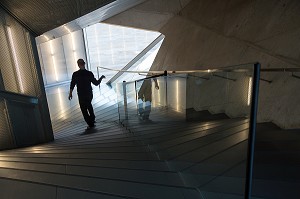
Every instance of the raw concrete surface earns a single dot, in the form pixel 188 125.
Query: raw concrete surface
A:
pixel 212 34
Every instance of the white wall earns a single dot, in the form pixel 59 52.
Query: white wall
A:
pixel 58 57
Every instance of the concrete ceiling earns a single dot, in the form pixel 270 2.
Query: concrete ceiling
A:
pixel 40 16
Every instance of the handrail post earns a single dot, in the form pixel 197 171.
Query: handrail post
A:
pixel 166 83
pixel 98 75
pixel 136 98
pixel 252 131
pixel 165 73
pixel 125 100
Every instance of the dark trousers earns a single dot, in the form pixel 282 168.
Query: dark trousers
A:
pixel 87 110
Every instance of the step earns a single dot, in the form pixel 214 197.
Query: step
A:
pixel 189 147
pixel 143 176
pixel 122 164
pixel 102 185
pixel 207 151
pixel 95 155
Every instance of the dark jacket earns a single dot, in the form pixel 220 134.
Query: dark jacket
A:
pixel 83 79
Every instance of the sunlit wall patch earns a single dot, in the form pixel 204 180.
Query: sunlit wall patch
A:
pixel 73 45
pixel 53 60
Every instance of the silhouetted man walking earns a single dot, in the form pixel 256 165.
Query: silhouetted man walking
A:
pixel 83 79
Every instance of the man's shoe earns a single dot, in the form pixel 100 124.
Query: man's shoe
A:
pixel 90 126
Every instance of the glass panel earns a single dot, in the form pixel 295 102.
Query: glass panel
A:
pixel 276 158
pixel 198 123
pixel 219 95
pixel 121 101
pixel 219 101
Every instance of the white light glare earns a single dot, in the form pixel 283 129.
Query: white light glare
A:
pixel 61 102
pixel 73 44
pixel 249 91
pixel 53 60
pixel 15 58
pixel 177 95
pixel 46 37
pixel 67 28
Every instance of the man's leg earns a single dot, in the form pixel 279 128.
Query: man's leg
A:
pixel 83 106
pixel 91 111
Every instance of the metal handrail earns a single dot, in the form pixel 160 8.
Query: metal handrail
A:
pixel 19 97
pixel 165 73
pixel 208 70
pixel 296 76
pixel 280 70
pixel 224 69
pixel 292 70
pixel 150 77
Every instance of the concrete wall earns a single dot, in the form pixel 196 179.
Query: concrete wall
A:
pixel 218 33
pixel 219 95
pixel 151 15
pixel 279 100
pixel 215 33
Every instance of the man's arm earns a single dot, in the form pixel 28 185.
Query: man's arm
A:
pixel 70 94
pixel 97 82
pixel 72 85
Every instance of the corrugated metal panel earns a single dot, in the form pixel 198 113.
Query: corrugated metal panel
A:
pixel 23 58
pixel 33 65
pixel 6 65
pixel 23 51
pixel 42 16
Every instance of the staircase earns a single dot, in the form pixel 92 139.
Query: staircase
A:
pixel 165 157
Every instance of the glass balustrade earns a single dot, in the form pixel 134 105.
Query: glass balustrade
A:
pixel 209 116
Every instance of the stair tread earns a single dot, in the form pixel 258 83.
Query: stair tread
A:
pixel 101 184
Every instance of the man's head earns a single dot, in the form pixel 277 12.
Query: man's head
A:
pixel 81 63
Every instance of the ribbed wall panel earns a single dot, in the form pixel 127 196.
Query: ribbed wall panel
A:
pixel 6 65
pixel 26 74
pixel 42 16
pixel 5 135
pixel 25 65
pixel 33 65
